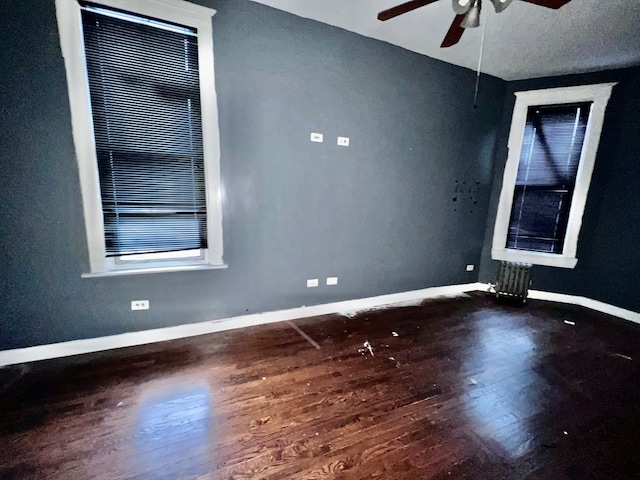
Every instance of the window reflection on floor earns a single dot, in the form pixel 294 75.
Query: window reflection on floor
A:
pixel 505 396
pixel 173 429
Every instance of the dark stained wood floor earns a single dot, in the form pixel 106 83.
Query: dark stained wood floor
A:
pixel 467 389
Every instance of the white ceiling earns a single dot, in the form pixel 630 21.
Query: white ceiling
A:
pixel 524 41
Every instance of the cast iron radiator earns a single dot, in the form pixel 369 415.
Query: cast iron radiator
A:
pixel 513 280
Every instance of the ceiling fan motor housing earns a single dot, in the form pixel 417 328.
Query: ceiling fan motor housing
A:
pixel 461 6
pixel 500 5
pixel 472 17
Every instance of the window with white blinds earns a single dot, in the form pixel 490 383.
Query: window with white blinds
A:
pixel 552 149
pixel 153 169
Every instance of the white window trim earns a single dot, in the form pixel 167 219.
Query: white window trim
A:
pixel 72 44
pixel 598 94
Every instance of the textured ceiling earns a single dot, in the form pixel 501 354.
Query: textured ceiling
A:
pixel 524 41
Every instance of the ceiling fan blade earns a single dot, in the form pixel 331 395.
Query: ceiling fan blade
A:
pixel 455 32
pixel 403 8
pixel 555 4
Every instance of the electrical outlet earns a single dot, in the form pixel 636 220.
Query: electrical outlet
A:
pixel 139 304
pixel 317 137
pixel 312 283
pixel 470 268
pixel 332 280
pixel 343 141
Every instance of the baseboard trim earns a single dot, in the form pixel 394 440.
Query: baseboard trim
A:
pixel 587 303
pixel 78 347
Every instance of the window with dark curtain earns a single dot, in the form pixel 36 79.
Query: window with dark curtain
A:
pixel 549 161
pixel 145 100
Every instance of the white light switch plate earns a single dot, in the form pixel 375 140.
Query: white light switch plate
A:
pixel 343 141
pixel 317 137
pixel 312 283
pixel 332 280
pixel 470 268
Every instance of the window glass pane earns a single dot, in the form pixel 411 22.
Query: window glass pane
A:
pixel 145 100
pixel 549 161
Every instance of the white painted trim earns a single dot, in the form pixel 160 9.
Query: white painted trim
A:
pixel 587 303
pixel 534 258
pixel 72 44
pixel 139 271
pixel 78 347
pixel 599 95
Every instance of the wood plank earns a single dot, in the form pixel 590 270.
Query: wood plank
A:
pixel 467 389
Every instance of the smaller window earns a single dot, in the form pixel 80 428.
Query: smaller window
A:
pixel 552 148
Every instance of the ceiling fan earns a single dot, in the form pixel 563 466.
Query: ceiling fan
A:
pixel 467 14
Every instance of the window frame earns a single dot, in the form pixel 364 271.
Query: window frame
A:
pixel 73 51
pixel 598 95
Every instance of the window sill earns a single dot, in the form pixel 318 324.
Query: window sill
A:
pixel 534 258
pixel 141 271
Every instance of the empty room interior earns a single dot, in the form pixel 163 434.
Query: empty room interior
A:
pixel 309 239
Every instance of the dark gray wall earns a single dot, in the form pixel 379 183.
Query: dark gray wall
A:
pixel 608 246
pixel 379 215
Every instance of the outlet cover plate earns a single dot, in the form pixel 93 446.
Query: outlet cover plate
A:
pixel 470 268
pixel 332 280
pixel 313 282
pixel 317 137
pixel 139 304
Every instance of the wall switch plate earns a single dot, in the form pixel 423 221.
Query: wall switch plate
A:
pixel 343 141
pixel 139 304
pixel 332 280
pixel 312 283
pixel 470 268
pixel 317 137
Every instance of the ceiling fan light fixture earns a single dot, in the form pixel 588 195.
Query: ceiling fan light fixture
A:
pixel 500 5
pixel 472 18
pixel 461 6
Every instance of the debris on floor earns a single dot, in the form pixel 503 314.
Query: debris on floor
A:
pixel 367 346
pixel 263 420
pixel 395 334
pixel 473 381
pixel 626 357
pixel 569 322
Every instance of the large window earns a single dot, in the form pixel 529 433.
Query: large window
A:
pixel 552 148
pixel 145 128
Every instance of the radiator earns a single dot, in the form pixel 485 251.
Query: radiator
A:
pixel 513 280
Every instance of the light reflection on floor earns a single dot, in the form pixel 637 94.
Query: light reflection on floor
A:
pixel 499 410
pixel 173 428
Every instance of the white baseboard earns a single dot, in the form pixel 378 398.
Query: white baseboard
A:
pixel 77 347
pixel 586 302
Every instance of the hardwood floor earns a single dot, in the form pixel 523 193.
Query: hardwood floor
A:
pixel 462 388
